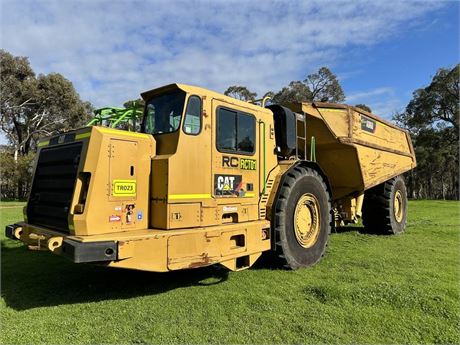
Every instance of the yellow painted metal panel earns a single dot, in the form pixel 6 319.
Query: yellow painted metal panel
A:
pixel 184 215
pixel 122 133
pixel 188 196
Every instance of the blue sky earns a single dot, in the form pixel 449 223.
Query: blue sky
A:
pixel 113 50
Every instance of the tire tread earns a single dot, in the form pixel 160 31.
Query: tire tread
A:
pixel 377 208
pixel 281 207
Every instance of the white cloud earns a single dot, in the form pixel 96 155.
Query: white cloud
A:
pixel 363 96
pixel 113 50
pixel 386 108
pixel 383 101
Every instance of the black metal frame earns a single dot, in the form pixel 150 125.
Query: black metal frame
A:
pixel 80 252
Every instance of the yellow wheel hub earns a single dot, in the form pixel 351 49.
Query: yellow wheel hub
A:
pixel 398 206
pixel 307 220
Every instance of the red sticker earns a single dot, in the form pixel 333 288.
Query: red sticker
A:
pixel 114 218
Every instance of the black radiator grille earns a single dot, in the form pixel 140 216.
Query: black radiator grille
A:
pixel 53 186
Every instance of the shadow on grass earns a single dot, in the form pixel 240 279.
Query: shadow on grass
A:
pixel 349 228
pixel 361 230
pixel 41 279
pixel 268 260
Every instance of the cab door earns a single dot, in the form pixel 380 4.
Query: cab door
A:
pixel 235 176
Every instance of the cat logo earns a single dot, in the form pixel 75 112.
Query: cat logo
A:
pixel 227 184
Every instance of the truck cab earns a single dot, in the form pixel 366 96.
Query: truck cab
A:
pixel 210 157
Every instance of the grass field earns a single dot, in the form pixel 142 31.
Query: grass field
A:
pixel 367 289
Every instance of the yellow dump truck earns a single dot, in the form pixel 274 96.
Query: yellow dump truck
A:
pixel 210 179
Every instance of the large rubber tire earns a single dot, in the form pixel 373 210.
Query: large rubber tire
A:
pixel 385 208
pixel 298 184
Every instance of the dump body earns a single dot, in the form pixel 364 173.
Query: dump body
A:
pixel 355 149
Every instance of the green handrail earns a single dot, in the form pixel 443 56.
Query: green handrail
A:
pixel 263 153
pixel 114 116
pixel 312 149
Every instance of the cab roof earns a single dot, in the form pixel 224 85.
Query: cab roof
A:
pixel 201 92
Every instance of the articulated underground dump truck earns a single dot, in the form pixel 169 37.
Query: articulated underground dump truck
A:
pixel 208 179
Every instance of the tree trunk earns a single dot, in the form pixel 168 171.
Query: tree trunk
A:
pixel 19 189
pixel 443 188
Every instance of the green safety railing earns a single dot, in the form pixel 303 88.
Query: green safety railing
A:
pixel 113 117
pixel 313 149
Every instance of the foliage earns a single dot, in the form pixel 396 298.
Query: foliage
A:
pixel 324 86
pixel 34 106
pixel 134 124
pixel 296 91
pixel 134 102
pixel 241 93
pixel 367 289
pixel 321 86
pixel 270 94
pixel 364 107
pixel 432 118
pixel 436 106
pixel 16 175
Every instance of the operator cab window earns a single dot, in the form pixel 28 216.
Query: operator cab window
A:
pixel 245 133
pixel 236 132
pixel 192 122
pixel 226 135
pixel 163 113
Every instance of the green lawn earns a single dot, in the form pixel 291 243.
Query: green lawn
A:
pixel 6 204
pixel 367 289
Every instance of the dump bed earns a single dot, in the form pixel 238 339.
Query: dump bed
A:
pixel 357 150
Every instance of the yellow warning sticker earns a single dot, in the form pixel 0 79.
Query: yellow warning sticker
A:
pixel 124 188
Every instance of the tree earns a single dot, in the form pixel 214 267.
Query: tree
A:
pixel 270 94
pixel 14 170
pixel 135 123
pixel 436 175
pixel 324 86
pixel 134 102
pixel 295 92
pixel 321 86
pixel 436 104
pixel 34 106
pixel 432 118
pixel 241 93
pixel 363 107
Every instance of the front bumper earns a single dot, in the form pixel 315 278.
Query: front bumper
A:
pixel 154 250
pixel 10 231
pixel 78 252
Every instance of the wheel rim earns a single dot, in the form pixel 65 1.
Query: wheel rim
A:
pixel 398 206
pixel 307 220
